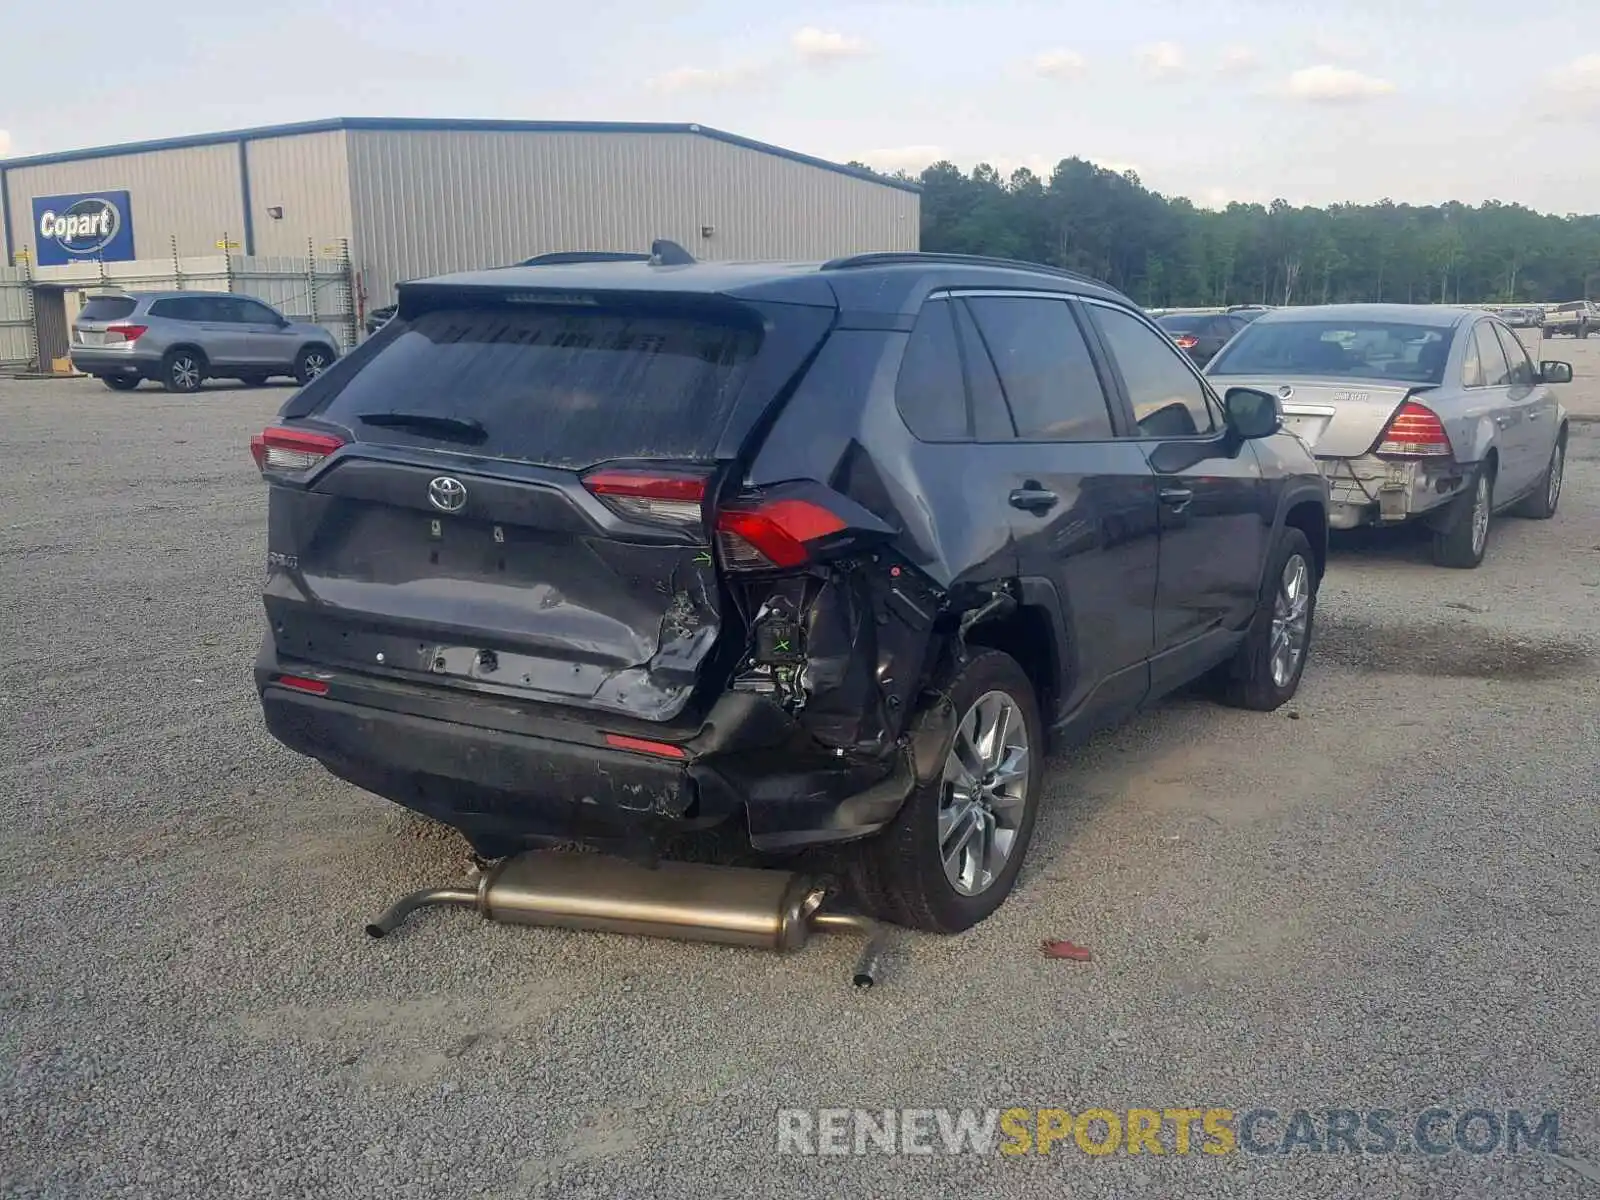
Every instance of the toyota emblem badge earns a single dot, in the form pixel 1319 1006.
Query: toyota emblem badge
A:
pixel 447 494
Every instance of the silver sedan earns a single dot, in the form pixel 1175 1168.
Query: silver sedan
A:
pixel 1414 412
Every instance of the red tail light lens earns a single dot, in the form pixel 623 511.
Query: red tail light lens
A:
pixel 1186 342
pixel 773 534
pixel 1415 431
pixel 651 496
pixel 291 449
pixel 621 741
pixel 313 687
pixel 124 333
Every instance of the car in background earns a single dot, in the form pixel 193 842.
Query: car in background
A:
pixel 606 551
pixel 379 317
pixel 1201 335
pixel 181 339
pixel 1522 318
pixel 1414 412
pixel 1576 317
pixel 1248 312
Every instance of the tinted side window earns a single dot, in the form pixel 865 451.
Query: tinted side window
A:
pixel 929 392
pixel 1522 372
pixel 991 419
pixel 1471 365
pixel 223 308
pixel 1168 401
pixel 256 313
pixel 1045 370
pixel 1495 371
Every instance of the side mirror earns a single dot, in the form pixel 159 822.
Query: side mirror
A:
pixel 1251 414
pixel 1552 371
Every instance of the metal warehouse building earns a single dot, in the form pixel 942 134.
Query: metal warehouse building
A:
pixel 324 218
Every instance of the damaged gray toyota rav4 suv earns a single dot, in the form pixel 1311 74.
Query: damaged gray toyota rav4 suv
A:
pixel 827 553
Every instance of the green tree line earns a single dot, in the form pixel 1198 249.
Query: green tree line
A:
pixel 1164 252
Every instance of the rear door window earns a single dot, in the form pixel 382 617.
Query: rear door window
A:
pixel 1496 373
pixel 929 391
pixel 106 308
pixel 558 387
pixel 1045 370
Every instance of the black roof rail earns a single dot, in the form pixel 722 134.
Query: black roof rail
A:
pixel 890 258
pixel 558 257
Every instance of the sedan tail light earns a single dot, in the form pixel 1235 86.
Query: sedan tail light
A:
pixel 1188 342
pixel 1415 431
pixel 277 449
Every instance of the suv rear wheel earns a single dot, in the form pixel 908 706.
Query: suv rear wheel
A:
pixel 952 855
pixel 183 371
pixel 120 383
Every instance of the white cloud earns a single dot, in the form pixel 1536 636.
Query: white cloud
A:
pixel 825 45
pixel 1335 48
pixel 1238 59
pixel 704 79
pixel 1326 84
pixel 1580 77
pixel 902 158
pixel 1057 64
pixel 1163 58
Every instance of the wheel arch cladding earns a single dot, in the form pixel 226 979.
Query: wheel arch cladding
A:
pixel 1311 519
pixel 1027 634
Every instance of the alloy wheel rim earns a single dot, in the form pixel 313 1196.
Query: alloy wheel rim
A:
pixel 315 365
pixel 1291 620
pixel 186 373
pixel 984 794
pixel 1480 515
pixel 1556 465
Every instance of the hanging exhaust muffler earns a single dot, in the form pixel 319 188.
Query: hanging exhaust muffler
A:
pixel 735 906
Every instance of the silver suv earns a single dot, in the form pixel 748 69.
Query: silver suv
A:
pixel 184 338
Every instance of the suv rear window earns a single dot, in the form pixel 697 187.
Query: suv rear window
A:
pixel 106 308
pixel 554 387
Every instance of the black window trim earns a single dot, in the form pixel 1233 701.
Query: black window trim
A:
pixel 1134 433
pixel 1116 409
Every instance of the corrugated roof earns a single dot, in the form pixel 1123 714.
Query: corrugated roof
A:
pixel 449 126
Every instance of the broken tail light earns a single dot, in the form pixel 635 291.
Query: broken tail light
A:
pixel 117 334
pixel 651 496
pixel 1415 431
pixel 776 533
pixel 276 449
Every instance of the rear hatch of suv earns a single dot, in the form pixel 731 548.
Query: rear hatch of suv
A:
pixel 512 489
pixel 102 321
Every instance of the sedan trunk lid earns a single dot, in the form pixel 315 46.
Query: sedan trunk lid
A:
pixel 1336 417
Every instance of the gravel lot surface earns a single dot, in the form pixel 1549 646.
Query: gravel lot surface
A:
pixel 1381 897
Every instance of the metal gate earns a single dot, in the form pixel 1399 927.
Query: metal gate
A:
pixel 318 288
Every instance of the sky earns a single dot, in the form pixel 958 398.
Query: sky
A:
pixel 1218 100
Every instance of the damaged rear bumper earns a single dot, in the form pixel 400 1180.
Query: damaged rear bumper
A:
pixel 497 771
pixel 1370 490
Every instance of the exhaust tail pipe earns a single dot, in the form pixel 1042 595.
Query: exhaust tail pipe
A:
pixel 734 906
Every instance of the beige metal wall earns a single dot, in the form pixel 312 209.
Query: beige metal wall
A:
pixel 429 202
pixel 191 193
pixel 308 176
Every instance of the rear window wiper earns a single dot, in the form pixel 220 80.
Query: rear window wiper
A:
pixel 462 428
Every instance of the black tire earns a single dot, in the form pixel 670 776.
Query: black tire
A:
pixel 253 380
pixel 1458 544
pixel 1540 504
pixel 120 383
pixel 311 362
pixel 899 875
pixel 183 371
pixel 1248 680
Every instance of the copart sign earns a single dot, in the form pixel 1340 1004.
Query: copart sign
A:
pixel 88 227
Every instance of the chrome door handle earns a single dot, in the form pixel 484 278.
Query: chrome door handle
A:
pixel 1534 414
pixel 1034 499
pixel 1176 498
